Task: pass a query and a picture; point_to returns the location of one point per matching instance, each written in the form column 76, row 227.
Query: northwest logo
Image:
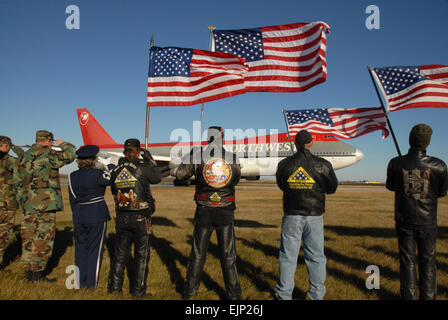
column 84, row 118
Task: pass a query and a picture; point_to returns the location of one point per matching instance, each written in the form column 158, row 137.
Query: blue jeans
column 311, row 230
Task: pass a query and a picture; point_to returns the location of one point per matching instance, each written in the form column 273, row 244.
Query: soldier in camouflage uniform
column 8, row 191
column 41, row 199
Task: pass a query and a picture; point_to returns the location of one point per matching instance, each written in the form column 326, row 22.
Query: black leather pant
column 131, row 229
column 409, row 242
column 226, row 244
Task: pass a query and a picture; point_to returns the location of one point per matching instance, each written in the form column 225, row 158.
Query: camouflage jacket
column 39, row 173
column 9, row 180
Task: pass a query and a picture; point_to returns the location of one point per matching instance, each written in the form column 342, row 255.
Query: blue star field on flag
column 170, row 62
column 124, row 175
column 320, row 115
column 245, row 43
column 394, row 79
column 300, row 176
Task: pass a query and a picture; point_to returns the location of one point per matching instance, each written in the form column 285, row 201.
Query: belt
column 205, row 197
column 93, row 200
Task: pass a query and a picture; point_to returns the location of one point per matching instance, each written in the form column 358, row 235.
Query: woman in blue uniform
column 87, row 186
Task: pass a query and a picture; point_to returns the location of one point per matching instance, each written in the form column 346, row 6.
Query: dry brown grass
column 359, row 231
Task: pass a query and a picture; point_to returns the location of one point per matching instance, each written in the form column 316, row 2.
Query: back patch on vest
column 125, row 180
column 217, row 173
column 300, row 179
column 416, row 183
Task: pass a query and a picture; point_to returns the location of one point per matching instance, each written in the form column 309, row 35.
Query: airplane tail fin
column 91, row 130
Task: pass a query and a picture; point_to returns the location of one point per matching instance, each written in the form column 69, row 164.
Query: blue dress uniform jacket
column 87, row 188
column 90, row 216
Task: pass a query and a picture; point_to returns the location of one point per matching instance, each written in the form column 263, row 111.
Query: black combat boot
column 29, row 275
column 187, row 293
column 40, row 276
column 140, row 295
column 3, row 268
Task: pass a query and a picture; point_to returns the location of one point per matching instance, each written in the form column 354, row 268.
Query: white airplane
column 259, row 155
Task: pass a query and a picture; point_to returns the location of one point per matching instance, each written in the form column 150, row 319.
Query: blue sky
column 48, row 71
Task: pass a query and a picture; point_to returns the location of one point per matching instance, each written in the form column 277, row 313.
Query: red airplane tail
column 91, row 130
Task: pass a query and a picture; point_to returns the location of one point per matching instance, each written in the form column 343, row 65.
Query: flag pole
column 200, row 130
column 147, row 105
column 375, row 83
column 287, row 129
column 211, row 47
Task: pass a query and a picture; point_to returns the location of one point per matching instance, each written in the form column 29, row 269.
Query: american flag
column 414, row 87
column 300, row 176
column 185, row 77
column 125, row 175
column 282, row 58
column 337, row 122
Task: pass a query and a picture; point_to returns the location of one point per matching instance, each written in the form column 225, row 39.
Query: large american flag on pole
column 185, row 77
column 413, row 86
column 338, row 122
column 281, row 58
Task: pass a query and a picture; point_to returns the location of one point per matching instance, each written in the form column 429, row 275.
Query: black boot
column 187, row 293
column 3, row 268
column 114, row 290
column 40, row 276
column 29, row 275
column 141, row 295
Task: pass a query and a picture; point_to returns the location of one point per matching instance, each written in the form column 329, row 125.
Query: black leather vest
column 131, row 186
column 216, row 178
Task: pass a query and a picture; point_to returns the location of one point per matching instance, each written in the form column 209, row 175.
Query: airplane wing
column 162, row 160
column 113, row 157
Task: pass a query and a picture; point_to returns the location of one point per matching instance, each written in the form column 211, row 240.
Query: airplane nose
column 359, row 155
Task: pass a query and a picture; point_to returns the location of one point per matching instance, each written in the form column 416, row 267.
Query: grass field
column 359, row 231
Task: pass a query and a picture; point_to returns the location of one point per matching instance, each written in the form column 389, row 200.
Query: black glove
column 164, row 171
column 147, row 157
column 121, row 160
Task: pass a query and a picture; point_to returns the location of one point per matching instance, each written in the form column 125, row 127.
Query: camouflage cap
column 5, row 140
column 44, row 134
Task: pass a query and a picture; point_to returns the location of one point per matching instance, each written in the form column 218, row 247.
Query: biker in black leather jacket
column 134, row 204
column 418, row 180
column 217, row 172
column 304, row 180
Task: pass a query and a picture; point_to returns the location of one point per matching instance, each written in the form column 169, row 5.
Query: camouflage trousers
column 38, row 232
column 6, row 226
